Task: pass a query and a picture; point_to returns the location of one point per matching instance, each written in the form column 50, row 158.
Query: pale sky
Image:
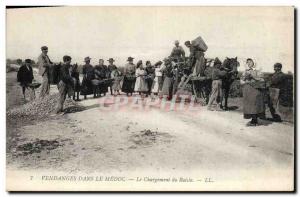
column 265, row 34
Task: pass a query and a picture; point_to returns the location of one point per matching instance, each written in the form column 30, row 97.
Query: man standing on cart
column 197, row 61
column 177, row 52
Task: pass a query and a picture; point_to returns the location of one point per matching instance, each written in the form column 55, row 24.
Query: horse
column 230, row 65
column 202, row 86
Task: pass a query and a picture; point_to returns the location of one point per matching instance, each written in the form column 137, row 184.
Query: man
column 44, row 63
column 111, row 67
column 88, row 75
column 150, row 76
column 177, row 52
column 278, row 78
column 25, row 75
column 276, row 90
column 216, row 92
column 66, row 83
column 196, row 59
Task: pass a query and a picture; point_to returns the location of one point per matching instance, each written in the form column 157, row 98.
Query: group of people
column 148, row 79
column 256, row 93
column 144, row 80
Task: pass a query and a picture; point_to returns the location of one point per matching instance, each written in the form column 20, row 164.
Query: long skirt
column 149, row 82
column 103, row 87
column 167, row 87
column 86, row 87
column 141, row 85
column 253, row 102
column 156, row 84
column 116, row 86
column 160, row 83
column 128, row 85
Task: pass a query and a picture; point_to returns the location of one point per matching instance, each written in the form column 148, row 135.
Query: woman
column 129, row 77
column 156, row 87
column 167, row 88
column 253, row 97
column 140, row 85
column 116, row 75
column 101, row 74
column 88, row 75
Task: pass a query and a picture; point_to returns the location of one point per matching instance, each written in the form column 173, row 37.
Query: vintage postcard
column 150, row 98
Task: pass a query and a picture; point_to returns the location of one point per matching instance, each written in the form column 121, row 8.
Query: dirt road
column 190, row 143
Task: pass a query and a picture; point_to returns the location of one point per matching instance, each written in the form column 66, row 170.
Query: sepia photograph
column 150, row 98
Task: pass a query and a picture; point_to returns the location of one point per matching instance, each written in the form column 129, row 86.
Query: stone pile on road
column 39, row 108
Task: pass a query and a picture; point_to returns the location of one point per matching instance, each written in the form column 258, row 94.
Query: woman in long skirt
column 88, row 75
column 253, row 95
column 140, row 85
column 167, row 88
column 156, row 87
column 129, row 77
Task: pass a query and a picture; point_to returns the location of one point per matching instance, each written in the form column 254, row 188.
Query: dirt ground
column 99, row 140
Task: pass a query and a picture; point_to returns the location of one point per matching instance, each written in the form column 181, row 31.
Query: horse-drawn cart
column 200, row 86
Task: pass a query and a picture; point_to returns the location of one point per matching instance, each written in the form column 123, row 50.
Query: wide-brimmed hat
column 187, row 42
column 130, row 58
column 176, row 42
column 28, row 61
column 44, row 48
column 87, row 58
column 111, row 60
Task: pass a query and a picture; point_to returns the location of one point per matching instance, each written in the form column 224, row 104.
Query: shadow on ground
column 75, row 109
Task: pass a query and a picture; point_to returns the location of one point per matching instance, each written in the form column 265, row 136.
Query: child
column 116, row 75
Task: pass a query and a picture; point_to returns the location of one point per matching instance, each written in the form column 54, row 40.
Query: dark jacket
column 101, row 72
column 65, row 74
column 88, row 72
column 25, row 75
column 168, row 72
column 278, row 80
column 150, row 72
